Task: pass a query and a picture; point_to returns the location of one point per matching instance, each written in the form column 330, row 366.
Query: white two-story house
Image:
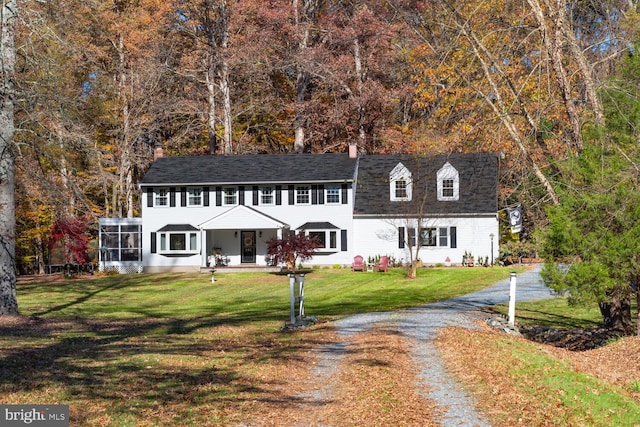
column 202, row 210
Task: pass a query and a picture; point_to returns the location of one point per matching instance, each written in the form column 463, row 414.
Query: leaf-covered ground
column 228, row 376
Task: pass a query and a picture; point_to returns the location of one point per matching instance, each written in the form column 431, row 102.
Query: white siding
column 376, row 236
column 295, row 216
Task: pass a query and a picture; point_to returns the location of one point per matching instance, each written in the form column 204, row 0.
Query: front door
column 248, row 242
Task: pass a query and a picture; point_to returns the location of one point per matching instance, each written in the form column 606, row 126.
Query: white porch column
column 203, row 247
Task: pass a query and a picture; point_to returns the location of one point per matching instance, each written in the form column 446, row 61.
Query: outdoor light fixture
column 491, row 236
column 235, row 233
column 260, row 234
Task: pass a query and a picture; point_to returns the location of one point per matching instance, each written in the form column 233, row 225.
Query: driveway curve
column 420, row 325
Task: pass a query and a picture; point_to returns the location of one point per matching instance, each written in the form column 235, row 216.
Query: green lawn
column 176, row 349
column 247, row 297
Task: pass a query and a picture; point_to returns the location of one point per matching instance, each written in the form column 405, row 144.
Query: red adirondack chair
column 383, row 264
column 358, row 263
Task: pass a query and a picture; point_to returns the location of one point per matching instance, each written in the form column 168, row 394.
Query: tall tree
column 8, row 300
column 593, row 241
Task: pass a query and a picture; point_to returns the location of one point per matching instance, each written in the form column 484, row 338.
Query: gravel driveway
column 420, row 325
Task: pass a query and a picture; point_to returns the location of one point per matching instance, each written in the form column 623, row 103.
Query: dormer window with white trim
column 448, row 183
column 400, row 184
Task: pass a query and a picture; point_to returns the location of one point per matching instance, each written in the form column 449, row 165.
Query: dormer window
column 400, row 183
column 401, row 189
column 448, row 183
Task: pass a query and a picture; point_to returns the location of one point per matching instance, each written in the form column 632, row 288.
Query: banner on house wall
column 515, row 218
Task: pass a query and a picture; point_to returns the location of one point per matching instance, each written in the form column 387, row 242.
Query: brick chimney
column 353, row 150
column 158, row 152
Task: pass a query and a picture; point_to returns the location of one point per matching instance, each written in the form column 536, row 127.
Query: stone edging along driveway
column 419, row 325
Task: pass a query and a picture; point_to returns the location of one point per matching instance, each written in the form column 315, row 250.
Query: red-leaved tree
column 70, row 232
column 292, row 249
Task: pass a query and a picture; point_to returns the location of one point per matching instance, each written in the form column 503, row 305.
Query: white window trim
column 327, row 239
column 339, row 193
column 438, row 236
column 235, row 196
column 156, row 198
column 191, row 191
column 187, row 236
column 308, row 191
column 273, row 196
column 400, row 173
column 448, row 172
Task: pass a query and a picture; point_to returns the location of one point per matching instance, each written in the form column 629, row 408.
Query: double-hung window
column 333, row 194
column 400, row 184
column 303, row 195
column 443, row 237
column 194, row 197
column 161, row 197
column 230, row 196
column 267, row 196
column 448, row 183
column 400, row 189
column 447, row 188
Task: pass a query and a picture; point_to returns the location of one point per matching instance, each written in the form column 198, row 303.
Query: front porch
column 237, row 240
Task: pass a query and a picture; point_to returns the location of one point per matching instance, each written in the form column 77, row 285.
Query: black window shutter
column 172, row 197
column 150, row 197
column 321, row 194
column 205, row 197
column 278, row 195
column 153, row 243
column 314, row 194
column 183, row 196
column 255, row 195
column 345, row 194
column 241, row 195
column 218, row 196
column 401, row 237
column 291, row 195
column 453, row 237
column 343, row 240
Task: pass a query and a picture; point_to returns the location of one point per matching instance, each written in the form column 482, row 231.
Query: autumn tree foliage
column 292, row 249
column 70, row 234
column 100, row 83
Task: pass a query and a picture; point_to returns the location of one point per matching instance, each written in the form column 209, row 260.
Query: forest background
column 101, row 83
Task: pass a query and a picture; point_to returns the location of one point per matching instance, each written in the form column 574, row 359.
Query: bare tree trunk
column 211, row 114
column 302, row 82
column 586, row 70
column 360, row 75
column 8, row 300
column 554, row 50
column 226, row 108
column 499, row 107
column 125, row 166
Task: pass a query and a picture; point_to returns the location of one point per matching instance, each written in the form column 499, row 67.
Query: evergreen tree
column 593, row 240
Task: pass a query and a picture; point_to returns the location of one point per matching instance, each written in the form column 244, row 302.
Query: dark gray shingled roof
column 478, row 184
column 250, row 168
